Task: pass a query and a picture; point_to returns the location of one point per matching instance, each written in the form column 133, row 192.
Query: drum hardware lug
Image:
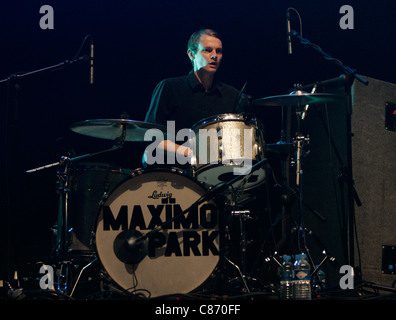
column 193, row 163
column 176, row 170
column 220, row 151
column 136, row 172
column 191, row 171
column 104, row 198
column 219, row 131
column 257, row 149
column 260, row 153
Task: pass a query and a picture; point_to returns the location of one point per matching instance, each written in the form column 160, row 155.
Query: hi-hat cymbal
column 112, row 129
column 297, row 98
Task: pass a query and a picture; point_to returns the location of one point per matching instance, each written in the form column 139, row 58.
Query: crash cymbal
column 112, row 129
column 297, row 98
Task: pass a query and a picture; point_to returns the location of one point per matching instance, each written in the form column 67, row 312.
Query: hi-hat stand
column 300, row 140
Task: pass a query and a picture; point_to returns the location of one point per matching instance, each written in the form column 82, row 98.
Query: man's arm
column 157, row 113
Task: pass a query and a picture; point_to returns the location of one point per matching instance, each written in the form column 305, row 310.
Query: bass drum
column 176, row 259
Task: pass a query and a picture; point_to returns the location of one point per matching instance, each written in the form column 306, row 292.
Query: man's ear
column 190, row 54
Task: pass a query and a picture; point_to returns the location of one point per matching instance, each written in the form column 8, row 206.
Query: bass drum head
column 177, row 259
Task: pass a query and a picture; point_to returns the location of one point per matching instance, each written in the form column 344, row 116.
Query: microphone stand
column 54, row 67
column 351, row 75
column 65, row 161
column 11, row 125
column 347, row 70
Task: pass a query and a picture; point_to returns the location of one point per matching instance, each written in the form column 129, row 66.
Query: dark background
column 137, row 44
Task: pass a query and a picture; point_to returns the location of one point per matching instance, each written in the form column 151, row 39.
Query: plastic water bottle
column 286, row 279
column 302, row 278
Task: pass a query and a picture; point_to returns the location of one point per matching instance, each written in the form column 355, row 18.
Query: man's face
column 208, row 55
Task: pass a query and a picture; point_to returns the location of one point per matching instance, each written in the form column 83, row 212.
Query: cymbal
column 297, row 98
column 112, row 129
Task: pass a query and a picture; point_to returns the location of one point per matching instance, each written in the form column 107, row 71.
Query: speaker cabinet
column 374, row 171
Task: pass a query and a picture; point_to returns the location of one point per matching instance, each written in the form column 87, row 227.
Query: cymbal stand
column 63, row 182
column 300, row 139
column 62, row 238
column 63, row 186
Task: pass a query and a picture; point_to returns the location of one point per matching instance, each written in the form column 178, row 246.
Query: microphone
column 91, row 63
column 130, row 246
column 289, row 44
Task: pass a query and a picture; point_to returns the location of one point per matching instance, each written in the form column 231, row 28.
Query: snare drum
column 225, row 145
column 179, row 257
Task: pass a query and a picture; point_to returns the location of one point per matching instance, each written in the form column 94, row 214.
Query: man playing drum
column 190, row 98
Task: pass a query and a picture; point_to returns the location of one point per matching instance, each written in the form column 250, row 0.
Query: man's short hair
column 194, row 39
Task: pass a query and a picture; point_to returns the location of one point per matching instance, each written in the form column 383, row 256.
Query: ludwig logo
column 160, row 194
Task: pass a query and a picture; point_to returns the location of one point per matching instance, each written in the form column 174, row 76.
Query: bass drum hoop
column 158, row 292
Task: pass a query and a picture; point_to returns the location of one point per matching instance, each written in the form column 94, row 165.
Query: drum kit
column 161, row 231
